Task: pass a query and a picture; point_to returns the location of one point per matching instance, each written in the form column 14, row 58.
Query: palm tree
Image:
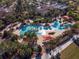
column 31, row 35
column 31, row 38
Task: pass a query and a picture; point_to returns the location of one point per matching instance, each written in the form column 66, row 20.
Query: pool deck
column 40, row 38
column 57, row 33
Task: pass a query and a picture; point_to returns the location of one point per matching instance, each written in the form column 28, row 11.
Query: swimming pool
column 56, row 25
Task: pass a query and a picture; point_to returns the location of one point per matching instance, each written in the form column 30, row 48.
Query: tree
column 14, row 48
column 1, row 24
column 75, row 31
column 19, row 8
column 31, row 38
column 10, row 18
column 7, row 34
column 31, row 35
column 76, row 28
column 76, row 17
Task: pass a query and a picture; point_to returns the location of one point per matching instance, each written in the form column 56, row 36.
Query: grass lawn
column 72, row 52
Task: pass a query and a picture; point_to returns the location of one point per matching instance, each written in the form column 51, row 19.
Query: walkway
column 57, row 50
column 9, row 26
column 60, row 48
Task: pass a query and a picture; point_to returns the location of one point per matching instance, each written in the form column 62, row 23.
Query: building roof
column 44, row 8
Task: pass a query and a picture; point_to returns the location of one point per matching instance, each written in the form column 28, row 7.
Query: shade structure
column 47, row 37
column 66, row 17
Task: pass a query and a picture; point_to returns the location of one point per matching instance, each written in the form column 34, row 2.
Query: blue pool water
column 55, row 25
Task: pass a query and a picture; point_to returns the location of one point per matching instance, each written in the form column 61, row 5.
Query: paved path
column 60, row 48
column 8, row 27
column 57, row 50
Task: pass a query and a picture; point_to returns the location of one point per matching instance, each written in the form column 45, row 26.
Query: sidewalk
column 59, row 49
